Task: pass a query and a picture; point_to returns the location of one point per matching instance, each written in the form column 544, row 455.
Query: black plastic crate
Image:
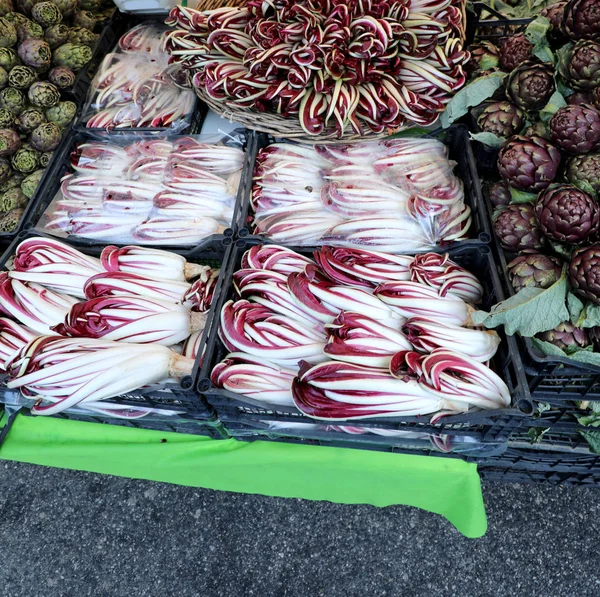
column 120, row 24
column 493, row 26
column 490, row 424
column 62, row 165
column 175, row 395
column 501, row 475
column 460, row 150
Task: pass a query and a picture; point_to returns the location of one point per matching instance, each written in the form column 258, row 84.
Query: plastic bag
column 171, row 191
column 395, row 195
column 136, row 87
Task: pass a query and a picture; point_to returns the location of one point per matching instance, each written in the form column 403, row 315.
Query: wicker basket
column 285, row 128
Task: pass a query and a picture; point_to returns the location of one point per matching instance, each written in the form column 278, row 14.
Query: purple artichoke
column 576, row 129
column 582, row 19
column 531, row 269
column 566, row 336
column 35, row 53
column 528, row 164
column 499, row 194
column 596, row 97
column 554, row 14
column 583, row 67
column 567, row 214
column 530, row 86
column 10, row 141
column 515, row 50
column 502, row 119
column 580, row 97
column 484, row 56
column 517, row 228
column 584, row 172
column 584, row 272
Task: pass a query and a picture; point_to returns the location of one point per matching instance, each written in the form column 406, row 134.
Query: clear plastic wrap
column 463, row 445
column 135, row 87
column 173, row 191
column 394, row 195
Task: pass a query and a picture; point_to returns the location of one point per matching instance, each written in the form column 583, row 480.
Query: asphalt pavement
column 75, row 534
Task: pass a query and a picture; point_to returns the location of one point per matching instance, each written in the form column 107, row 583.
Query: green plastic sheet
column 447, row 486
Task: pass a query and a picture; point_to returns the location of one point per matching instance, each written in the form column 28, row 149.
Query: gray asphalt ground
column 65, row 533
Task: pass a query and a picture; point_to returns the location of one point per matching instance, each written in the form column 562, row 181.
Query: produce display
column 366, row 66
column 394, row 195
column 42, row 47
column 169, row 191
column 78, row 330
column 342, row 343
column 135, row 86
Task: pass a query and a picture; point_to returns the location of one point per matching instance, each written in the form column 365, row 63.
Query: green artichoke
column 30, row 119
column 9, row 141
column 85, row 19
column 517, row 228
column 6, row 7
column 72, row 56
column 35, row 53
column 45, row 137
column 13, row 199
column 56, row 35
column 22, row 77
column 499, row 194
column 531, row 269
column 12, row 182
column 576, row 129
column 45, row 158
column 584, row 172
column 91, row 5
column 43, row 94
column 84, row 37
column 584, row 272
column 10, row 221
column 62, row 77
column 566, row 336
column 29, row 30
column 528, row 164
column 62, row 114
column 5, row 170
column 502, row 119
column 66, row 7
column 567, row 214
column 515, row 50
column 12, row 99
column 16, row 18
column 530, row 86
column 46, row 14
column 583, row 67
column 8, row 58
column 582, row 19
column 484, row 57
column 7, row 119
column 31, row 183
column 25, row 160
column 8, row 33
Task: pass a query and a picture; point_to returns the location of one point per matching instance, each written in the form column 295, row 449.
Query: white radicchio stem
column 33, row 305
column 152, row 263
column 355, row 338
column 71, row 371
column 275, row 258
column 53, row 264
column 13, row 336
column 131, row 319
column 256, row 378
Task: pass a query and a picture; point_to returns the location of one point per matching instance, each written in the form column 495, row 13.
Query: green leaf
column 542, row 407
column 587, row 357
column 591, row 316
column 488, row 139
column 591, row 420
column 473, row 94
column 488, row 62
column 536, row 434
column 554, row 104
column 549, row 349
column 565, row 251
column 521, row 196
column 584, row 185
column 593, row 440
column 419, row 131
column 530, row 311
column 537, row 30
column 563, row 55
column 575, row 307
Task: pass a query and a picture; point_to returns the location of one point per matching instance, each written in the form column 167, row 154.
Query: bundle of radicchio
column 356, row 66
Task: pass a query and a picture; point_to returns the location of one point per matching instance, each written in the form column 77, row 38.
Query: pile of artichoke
column 42, row 46
column 545, row 123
